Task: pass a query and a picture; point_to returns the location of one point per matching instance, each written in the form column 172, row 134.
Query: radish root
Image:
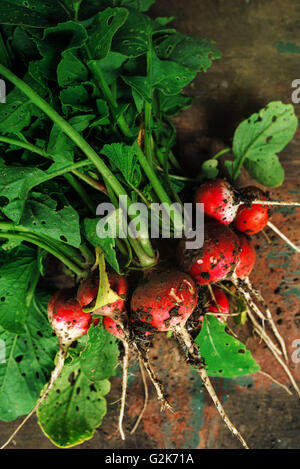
column 142, row 368
column 195, row 358
column 282, row 236
column 124, row 388
column 54, row 375
column 256, row 293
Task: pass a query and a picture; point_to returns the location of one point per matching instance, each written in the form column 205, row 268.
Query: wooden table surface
column 260, row 43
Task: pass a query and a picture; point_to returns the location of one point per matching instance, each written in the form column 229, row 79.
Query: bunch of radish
column 167, row 300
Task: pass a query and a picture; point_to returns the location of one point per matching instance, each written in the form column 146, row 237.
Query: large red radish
column 219, row 199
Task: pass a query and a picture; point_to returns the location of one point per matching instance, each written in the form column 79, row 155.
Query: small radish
column 251, row 219
column 165, row 300
column 67, row 319
column 221, row 305
column 217, row 257
column 69, row 323
column 219, row 200
column 88, row 290
column 113, row 327
column 247, row 258
column 119, row 285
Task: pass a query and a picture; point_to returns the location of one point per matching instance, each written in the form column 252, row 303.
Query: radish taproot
column 219, row 199
column 217, row 257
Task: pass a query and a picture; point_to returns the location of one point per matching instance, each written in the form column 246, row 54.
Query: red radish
column 67, row 319
column 119, row 284
column 247, row 258
column 165, row 300
column 217, row 257
column 220, row 306
column 87, row 292
column 252, row 219
column 114, row 328
column 219, row 200
column 69, row 323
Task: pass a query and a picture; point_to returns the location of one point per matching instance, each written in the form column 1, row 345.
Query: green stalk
column 220, row 153
column 64, row 249
column 33, row 284
column 103, row 86
column 157, row 186
column 148, row 112
column 33, row 240
column 26, row 146
column 81, row 192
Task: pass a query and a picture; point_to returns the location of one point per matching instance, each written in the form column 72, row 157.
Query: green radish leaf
column 23, row 45
column 74, row 407
column 123, row 159
column 41, row 216
column 15, row 184
column 16, row 113
column 31, row 13
column 99, row 359
column 53, row 47
column 196, row 54
column 90, row 8
column 5, row 58
column 224, row 356
column 172, row 105
column 16, row 270
column 140, row 85
column 267, row 170
column 108, row 244
column 210, row 169
column 28, row 360
column 134, row 37
column 170, row 77
column 76, row 98
column 110, row 66
column 258, row 138
column 71, row 70
column 103, row 29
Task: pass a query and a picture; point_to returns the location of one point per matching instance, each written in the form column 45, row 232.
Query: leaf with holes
column 259, row 138
column 103, row 29
column 32, row 12
column 224, row 356
column 134, row 37
column 74, row 407
column 16, row 270
column 99, row 359
column 196, row 54
column 41, row 216
column 28, row 361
